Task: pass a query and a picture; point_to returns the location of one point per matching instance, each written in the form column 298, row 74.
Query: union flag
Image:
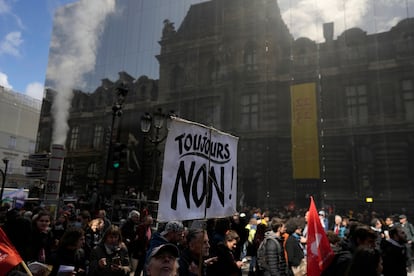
column 318, row 249
column 9, row 257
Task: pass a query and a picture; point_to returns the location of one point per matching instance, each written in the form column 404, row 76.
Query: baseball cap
column 166, row 247
column 322, row 213
column 173, row 226
column 402, row 217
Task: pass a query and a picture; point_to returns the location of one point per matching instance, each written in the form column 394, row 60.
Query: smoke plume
column 74, row 42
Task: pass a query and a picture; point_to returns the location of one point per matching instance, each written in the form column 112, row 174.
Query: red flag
column 318, row 249
column 9, row 257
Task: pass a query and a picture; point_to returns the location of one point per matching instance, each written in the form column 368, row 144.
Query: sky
column 25, row 31
column 26, row 26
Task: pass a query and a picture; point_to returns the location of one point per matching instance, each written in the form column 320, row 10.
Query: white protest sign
column 199, row 177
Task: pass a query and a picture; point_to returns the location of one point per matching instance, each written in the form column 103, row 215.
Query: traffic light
column 118, row 153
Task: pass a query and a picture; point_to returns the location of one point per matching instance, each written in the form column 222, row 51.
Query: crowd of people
column 263, row 243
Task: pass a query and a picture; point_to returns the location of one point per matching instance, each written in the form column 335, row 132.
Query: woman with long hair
column 70, row 252
column 42, row 241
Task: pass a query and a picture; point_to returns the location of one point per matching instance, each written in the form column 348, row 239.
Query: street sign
column 37, row 161
column 37, row 174
column 39, row 164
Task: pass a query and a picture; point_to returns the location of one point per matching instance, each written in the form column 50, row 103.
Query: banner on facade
column 305, row 143
column 199, row 177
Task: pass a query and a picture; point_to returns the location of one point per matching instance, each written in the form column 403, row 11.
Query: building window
column 98, row 137
column 250, row 111
column 69, row 178
column 74, row 138
column 12, row 142
column 93, row 171
column 407, row 87
column 250, row 57
column 357, row 104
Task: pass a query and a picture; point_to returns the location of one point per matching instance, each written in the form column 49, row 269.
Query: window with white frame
column 98, row 137
column 74, row 138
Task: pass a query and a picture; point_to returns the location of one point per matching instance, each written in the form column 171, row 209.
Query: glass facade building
column 320, row 96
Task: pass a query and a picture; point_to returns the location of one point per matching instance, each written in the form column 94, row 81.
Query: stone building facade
column 232, row 66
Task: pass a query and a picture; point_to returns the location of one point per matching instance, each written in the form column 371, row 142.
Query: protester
column 110, row 257
column 274, row 261
column 130, row 236
column 339, row 229
column 226, row 264
column 394, row 252
column 93, row 234
column 294, row 251
column 71, row 253
column 144, row 234
column 194, row 259
column 42, row 241
column 162, row 260
column 409, row 232
column 18, row 229
column 365, row 262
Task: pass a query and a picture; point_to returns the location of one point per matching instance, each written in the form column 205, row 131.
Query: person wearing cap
column 324, row 220
column 172, row 233
column 409, row 232
column 162, row 260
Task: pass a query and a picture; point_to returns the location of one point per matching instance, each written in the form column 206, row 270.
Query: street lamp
column 3, row 174
column 152, row 126
column 121, row 88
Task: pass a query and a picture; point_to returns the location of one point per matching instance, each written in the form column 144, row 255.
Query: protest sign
column 199, row 177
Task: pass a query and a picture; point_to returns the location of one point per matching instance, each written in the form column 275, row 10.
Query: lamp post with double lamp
column 155, row 128
column 3, row 174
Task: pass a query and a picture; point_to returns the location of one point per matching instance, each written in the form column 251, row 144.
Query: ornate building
column 233, row 66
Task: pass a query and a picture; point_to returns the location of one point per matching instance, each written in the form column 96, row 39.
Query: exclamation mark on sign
column 231, row 183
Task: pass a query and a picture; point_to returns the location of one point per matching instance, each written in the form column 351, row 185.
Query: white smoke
column 73, row 54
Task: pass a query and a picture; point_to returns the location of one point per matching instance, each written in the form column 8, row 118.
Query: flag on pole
column 9, row 257
column 319, row 251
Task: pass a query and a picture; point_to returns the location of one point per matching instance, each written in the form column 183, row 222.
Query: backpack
column 261, row 259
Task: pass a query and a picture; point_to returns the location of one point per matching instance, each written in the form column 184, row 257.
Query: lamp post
column 121, row 89
column 155, row 128
column 3, row 174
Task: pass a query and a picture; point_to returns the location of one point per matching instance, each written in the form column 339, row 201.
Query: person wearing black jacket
column 194, row 259
column 226, row 263
column 394, row 253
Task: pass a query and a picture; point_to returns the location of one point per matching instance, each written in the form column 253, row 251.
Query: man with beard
column 394, row 253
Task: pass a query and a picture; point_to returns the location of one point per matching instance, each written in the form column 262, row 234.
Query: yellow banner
column 305, row 143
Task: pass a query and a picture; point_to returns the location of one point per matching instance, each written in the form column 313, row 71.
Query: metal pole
column 3, row 173
column 108, row 156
